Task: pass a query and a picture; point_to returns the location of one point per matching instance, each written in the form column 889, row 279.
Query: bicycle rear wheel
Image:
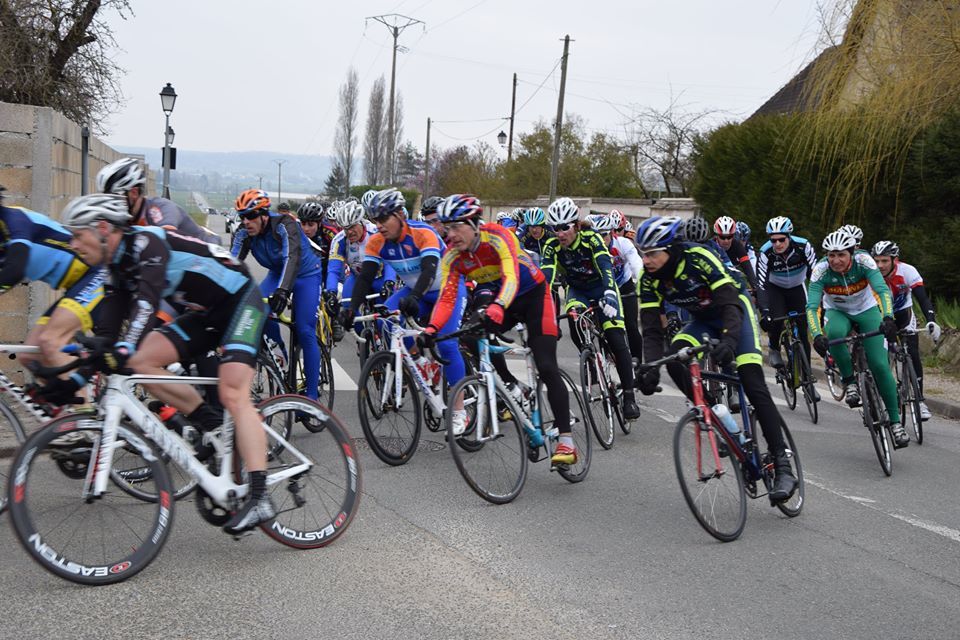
column 788, row 378
column 710, row 478
column 497, row 470
column 873, row 420
column 578, row 427
column 596, row 400
column 391, row 425
column 794, row 505
column 909, row 393
column 10, row 423
column 93, row 542
column 806, row 383
column 315, row 507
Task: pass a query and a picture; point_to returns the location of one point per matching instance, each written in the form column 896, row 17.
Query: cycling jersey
column 698, row 273
column 850, row 292
column 903, row 279
column 627, row 265
column 736, row 256
column 344, row 253
column 49, row 257
column 497, row 256
column 417, row 241
column 786, row 270
column 281, row 247
column 586, row 263
column 160, row 212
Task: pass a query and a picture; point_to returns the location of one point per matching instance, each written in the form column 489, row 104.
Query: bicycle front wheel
column 88, row 541
column 578, row 427
column 710, row 478
column 806, row 382
column 910, row 399
column 788, row 378
column 497, row 470
column 794, row 505
column 390, row 424
column 832, row 374
column 872, row 413
column 596, row 400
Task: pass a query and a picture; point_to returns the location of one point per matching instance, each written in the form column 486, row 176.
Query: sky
column 257, row 76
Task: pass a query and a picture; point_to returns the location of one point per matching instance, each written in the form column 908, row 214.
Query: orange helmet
column 252, row 200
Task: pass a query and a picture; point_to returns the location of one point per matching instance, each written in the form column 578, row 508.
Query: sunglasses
column 253, row 215
column 650, row 252
column 561, row 227
column 725, row 237
column 778, row 240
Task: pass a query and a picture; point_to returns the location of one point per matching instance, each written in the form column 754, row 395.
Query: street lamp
column 168, row 97
column 502, row 138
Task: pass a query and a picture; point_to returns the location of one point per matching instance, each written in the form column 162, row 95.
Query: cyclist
column 284, row 208
column 582, row 257
column 313, row 217
column 366, row 198
column 125, row 177
column 693, row 278
column 906, row 284
column 627, row 269
column 413, row 249
column 507, row 221
column 34, row 248
column 856, row 232
column 535, row 233
column 224, row 310
column 732, row 250
column 347, row 251
column 619, row 221
column 843, row 281
column 628, row 232
column 428, row 213
column 278, row 243
column 743, row 235
column 783, row 267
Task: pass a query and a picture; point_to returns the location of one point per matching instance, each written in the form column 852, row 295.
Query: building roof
column 795, row 96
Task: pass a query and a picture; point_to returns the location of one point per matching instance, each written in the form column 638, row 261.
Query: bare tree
column 345, row 141
column 375, row 140
column 55, row 53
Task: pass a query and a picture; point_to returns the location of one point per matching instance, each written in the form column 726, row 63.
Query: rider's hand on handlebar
column 889, row 327
column 821, row 345
column 649, row 381
column 346, row 318
column 409, row 306
column 766, row 320
column 427, row 339
column 934, row 330
column 279, row 300
column 61, row 391
column 724, row 352
column 493, row 317
column 610, row 303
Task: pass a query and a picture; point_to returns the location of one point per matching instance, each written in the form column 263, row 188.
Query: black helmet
column 310, row 212
column 430, row 205
column 284, row 207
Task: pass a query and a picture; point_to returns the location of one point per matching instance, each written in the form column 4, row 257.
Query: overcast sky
column 256, row 75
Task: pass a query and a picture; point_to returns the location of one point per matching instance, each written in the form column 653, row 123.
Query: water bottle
column 723, row 414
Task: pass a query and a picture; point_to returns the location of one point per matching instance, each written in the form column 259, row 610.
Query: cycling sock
column 567, row 440
column 258, row 484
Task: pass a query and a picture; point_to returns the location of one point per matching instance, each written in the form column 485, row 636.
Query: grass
column 948, row 312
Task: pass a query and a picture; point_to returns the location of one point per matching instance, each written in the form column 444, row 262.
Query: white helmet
column 855, row 231
column 617, row 219
column 120, row 176
column 503, row 215
column 562, row 211
column 87, row 210
column 725, row 226
column 367, row 198
column 780, row 224
column 839, row 240
column 349, row 214
column 604, row 224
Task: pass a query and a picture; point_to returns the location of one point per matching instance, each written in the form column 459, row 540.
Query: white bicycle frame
column 11, row 388
column 120, row 400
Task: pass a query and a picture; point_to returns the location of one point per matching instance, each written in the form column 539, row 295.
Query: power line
column 468, row 10
column 547, row 77
column 482, row 135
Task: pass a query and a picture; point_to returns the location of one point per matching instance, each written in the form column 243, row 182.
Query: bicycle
column 718, row 470
column 60, row 480
column 292, row 364
column 832, row 374
column 599, row 383
column 872, row 410
column 370, row 339
column 908, row 387
column 795, row 372
column 502, row 436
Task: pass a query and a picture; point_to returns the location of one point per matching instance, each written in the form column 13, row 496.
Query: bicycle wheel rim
column 579, row 429
column 593, row 395
column 391, row 431
column 912, row 403
column 316, row 507
column 13, row 424
column 787, row 378
column 833, row 383
column 48, row 511
column 872, row 420
column 325, row 385
column 715, row 494
column 496, row 471
column 809, row 390
column 793, row 505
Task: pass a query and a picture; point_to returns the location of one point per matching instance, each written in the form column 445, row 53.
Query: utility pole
column 280, row 164
column 426, row 164
column 392, row 21
column 556, row 136
column 513, row 108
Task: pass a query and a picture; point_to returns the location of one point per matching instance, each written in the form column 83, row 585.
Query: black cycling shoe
column 630, row 409
column 250, row 514
column 853, row 395
column 784, row 484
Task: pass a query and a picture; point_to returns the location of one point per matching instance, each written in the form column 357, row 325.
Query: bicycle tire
column 794, row 504
column 296, row 381
column 579, row 428
column 16, row 427
column 693, row 447
column 617, row 399
column 317, row 507
column 807, row 387
column 365, row 346
column 326, row 387
column 909, row 395
column 39, row 464
column 833, row 383
column 594, row 393
column 268, row 381
column 788, row 381
column 392, row 442
column 504, row 454
column 873, row 421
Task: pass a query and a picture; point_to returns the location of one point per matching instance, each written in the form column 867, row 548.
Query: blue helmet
column 460, row 207
column 386, row 202
column 659, row 232
column 743, row 230
column 780, row 224
column 534, row 217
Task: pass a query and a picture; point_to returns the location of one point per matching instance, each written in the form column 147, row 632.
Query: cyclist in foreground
column 224, row 310
column 845, row 281
column 693, row 278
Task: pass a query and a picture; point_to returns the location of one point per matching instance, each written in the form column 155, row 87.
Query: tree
column 336, row 185
column 375, row 139
column 410, row 166
column 55, row 53
column 345, row 140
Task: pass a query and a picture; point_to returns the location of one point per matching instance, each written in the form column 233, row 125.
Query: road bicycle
column 908, row 387
column 718, row 470
column 70, row 520
column 872, row 410
column 291, row 362
column 833, row 377
column 370, row 338
column 795, row 372
column 502, row 435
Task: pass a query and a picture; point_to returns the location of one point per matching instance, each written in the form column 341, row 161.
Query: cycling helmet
column 780, row 224
column 518, row 213
column 604, row 224
column 120, row 176
column 284, row 207
column 725, row 226
column 696, row 229
column 534, row 217
column 349, row 214
column 310, row 212
column 367, row 198
column 885, row 248
column 430, row 205
column 461, row 207
column 618, row 220
column 386, row 202
column 659, row 232
column 353, row 199
column 628, row 227
column 855, row 231
column 562, row 211
column 253, row 200
column 839, row 240
column 87, row 210
column 503, row 215
column 743, row 230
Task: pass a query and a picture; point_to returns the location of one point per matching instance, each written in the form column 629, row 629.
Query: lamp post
column 168, row 97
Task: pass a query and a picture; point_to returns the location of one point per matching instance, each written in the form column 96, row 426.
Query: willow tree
column 894, row 73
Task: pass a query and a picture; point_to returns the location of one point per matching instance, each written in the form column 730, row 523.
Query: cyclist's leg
column 614, row 330
column 876, row 354
column 75, row 311
column 539, row 315
column 750, row 369
column 631, row 317
column 306, row 291
column 688, row 336
column 576, row 299
column 272, row 328
column 906, row 320
column 449, row 350
column 777, row 300
column 347, row 294
column 482, row 296
column 837, row 325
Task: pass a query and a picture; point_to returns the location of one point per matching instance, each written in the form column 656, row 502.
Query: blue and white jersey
column 417, row 241
column 50, row 258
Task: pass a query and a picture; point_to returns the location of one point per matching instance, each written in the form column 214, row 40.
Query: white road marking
column 341, row 379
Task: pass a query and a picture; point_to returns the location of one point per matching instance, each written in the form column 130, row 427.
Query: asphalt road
column 617, row 556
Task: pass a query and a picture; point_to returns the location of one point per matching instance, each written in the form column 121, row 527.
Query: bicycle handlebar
column 854, row 337
column 789, row 316
column 86, row 353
